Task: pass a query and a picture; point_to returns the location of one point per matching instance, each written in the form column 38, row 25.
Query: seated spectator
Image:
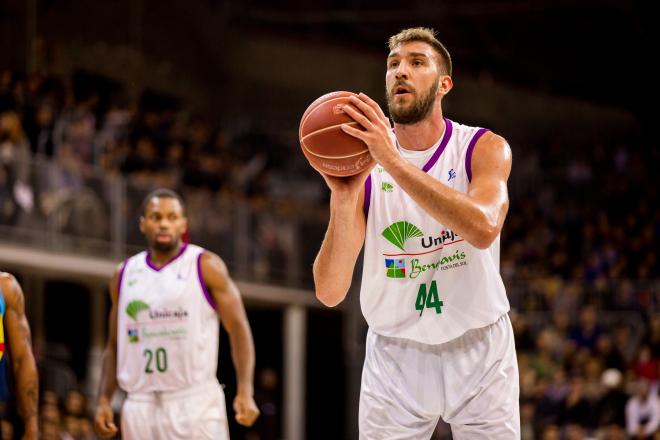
column 610, row 409
column 643, row 412
column 575, row 409
column 586, row 332
column 646, row 366
column 610, row 354
column 7, row 430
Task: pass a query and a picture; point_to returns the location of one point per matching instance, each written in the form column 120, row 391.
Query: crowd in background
column 64, row 140
column 579, row 254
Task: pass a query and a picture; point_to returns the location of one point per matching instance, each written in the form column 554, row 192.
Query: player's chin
column 164, row 246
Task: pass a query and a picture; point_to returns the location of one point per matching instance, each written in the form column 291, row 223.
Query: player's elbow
column 485, row 237
column 329, row 297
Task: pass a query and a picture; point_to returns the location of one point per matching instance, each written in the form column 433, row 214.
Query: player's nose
column 401, row 71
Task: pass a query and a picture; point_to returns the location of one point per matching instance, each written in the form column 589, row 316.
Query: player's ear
column 446, row 84
column 142, row 220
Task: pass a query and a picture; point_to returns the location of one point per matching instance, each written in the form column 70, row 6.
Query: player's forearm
column 242, row 354
column 476, row 223
column 335, row 262
column 108, row 383
column 28, row 392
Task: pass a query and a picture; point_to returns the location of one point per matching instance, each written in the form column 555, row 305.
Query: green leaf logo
column 387, row 187
column 134, row 307
column 397, row 233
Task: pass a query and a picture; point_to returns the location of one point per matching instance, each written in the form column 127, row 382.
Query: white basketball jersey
column 167, row 328
column 421, row 280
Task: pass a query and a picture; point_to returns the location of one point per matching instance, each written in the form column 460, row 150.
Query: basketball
column 325, row 145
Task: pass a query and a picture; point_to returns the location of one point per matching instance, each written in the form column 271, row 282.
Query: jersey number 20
column 160, row 356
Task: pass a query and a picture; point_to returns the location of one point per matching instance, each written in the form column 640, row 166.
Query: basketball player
column 440, row 343
column 14, row 325
column 162, row 346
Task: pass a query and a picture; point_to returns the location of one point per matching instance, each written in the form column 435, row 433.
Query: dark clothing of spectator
column 611, row 409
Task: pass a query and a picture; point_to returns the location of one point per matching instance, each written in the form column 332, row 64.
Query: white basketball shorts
column 196, row 413
column 471, row 382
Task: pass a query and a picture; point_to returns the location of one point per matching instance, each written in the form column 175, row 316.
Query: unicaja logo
column 135, row 307
column 397, row 233
column 132, row 310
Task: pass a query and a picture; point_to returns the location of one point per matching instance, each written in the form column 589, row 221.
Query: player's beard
column 420, row 108
column 165, row 247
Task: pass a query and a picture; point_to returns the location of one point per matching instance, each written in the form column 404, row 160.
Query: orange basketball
column 324, row 143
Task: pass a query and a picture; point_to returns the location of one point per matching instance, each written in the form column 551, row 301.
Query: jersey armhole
column 121, row 277
column 470, row 149
column 367, row 196
column 207, row 294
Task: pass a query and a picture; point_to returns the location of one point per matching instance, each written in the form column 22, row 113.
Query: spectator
column 645, row 365
column 610, row 409
column 40, row 130
column 575, row 409
column 586, row 332
column 643, row 412
column 16, row 195
column 611, row 356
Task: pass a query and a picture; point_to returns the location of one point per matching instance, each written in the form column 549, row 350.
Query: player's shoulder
column 209, row 260
column 491, row 138
column 492, row 146
column 11, row 291
column 491, row 153
column 7, row 281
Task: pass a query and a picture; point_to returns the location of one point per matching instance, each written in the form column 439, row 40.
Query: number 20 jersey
column 167, row 328
column 421, row 280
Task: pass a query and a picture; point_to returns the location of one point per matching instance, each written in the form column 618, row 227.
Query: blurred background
column 101, row 102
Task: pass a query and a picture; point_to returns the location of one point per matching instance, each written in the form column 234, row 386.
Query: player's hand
column 246, row 409
column 104, row 420
column 349, row 186
column 377, row 130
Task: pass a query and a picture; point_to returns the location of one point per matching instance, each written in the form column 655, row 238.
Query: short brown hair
column 426, row 35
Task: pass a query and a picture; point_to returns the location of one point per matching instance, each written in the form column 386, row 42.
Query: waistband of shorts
column 156, row 396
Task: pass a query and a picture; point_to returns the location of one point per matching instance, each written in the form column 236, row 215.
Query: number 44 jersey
column 421, row 280
column 167, row 326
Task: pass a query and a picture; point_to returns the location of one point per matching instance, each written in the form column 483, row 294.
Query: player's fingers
column 253, row 415
column 362, row 135
column 107, row 430
column 358, row 116
column 241, row 417
column 373, row 104
column 105, row 425
column 248, row 417
column 365, row 108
